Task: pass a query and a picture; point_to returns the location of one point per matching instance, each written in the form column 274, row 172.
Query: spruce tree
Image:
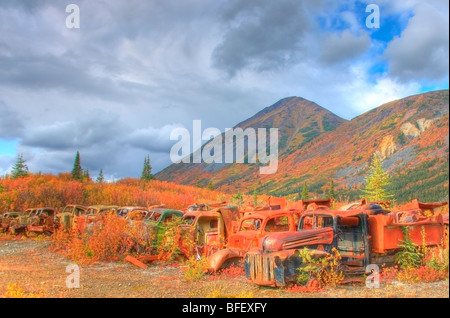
column 305, row 192
column 20, row 168
column 210, row 185
column 147, row 170
column 197, row 182
column 77, row 171
column 299, row 193
column 377, row 182
column 238, row 198
column 87, row 176
column 100, row 178
column 255, row 197
column 331, row 192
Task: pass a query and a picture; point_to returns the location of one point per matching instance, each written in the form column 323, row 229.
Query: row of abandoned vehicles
column 265, row 240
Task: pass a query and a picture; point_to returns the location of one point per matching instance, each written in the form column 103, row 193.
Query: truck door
column 350, row 241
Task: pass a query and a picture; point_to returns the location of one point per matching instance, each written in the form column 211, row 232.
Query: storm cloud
column 11, row 126
column 91, row 130
column 115, row 88
column 152, row 139
column 342, row 47
column 262, row 35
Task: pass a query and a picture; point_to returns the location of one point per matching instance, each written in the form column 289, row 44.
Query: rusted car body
column 362, row 237
column 252, row 229
column 369, row 207
column 137, row 215
column 43, row 221
column 8, row 218
column 65, row 219
column 207, row 230
column 124, row 210
column 93, row 214
column 20, row 224
column 277, row 203
column 156, row 222
column 205, row 206
column 29, row 212
column 312, row 204
column 27, row 215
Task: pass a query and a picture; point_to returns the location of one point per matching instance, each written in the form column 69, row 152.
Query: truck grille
column 261, row 268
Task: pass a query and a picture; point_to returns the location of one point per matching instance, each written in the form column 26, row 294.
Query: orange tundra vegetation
column 57, row 191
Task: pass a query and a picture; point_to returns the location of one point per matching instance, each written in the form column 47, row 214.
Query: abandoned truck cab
column 207, row 231
column 67, row 218
column 93, row 214
column 276, row 261
column 43, row 221
column 360, row 236
column 8, row 218
column 252, row 229
column 157, row 221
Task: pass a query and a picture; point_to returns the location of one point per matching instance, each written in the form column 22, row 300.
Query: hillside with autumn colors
column 411, row 135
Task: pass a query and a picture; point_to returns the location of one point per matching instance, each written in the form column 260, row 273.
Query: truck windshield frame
column 317, row 221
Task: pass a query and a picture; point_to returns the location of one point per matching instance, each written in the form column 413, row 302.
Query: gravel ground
column 30, row 264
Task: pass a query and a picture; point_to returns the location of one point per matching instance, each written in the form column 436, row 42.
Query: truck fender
column 218, row 259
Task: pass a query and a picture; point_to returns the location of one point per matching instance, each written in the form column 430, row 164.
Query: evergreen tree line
column 20, row 169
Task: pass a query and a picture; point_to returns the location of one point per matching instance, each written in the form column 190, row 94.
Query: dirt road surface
column 38, row 271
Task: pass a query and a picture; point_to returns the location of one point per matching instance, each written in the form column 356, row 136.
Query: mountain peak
column 290, row 111
column 315, row 146
column 293, row 104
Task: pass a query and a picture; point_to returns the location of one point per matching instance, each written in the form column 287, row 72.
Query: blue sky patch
column 8, row 147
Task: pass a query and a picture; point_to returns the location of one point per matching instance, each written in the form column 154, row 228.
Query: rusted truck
column 38, row 220
column 124, row 210
column 19, row 225
column 43, row 222
column 8, row 218
column 206, row 232
column 361, row 236
column 93, row 214
column 255, row 225
column 252, row 228
column 311, row 204
column 65, row 219
column 205, row 206
column 137, row 215
column 156, row 223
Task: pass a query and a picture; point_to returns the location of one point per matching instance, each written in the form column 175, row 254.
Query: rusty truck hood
column 243, row 239
column 229, row 213
column 302, row 238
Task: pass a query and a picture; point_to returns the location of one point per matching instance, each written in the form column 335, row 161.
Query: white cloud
column 385, row 90
column 421, row 52
column 6, row 163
